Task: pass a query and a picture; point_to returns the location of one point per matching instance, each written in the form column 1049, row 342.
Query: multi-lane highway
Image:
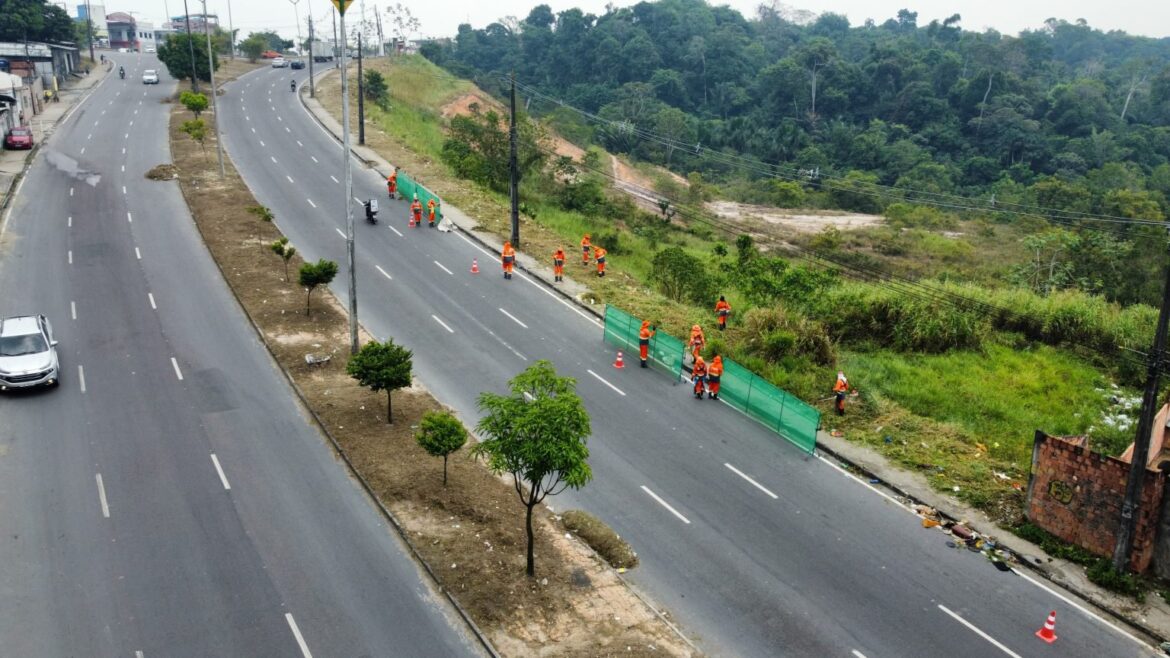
column 171, row 498
column 756, row 549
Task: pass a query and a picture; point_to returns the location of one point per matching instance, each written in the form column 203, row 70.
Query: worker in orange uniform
column 392, row 183
column 840, row 388
column 699, row 376
column 508, row 257
column 714, row 372
column 644, row 337
column 559, row 265
column 697, row 341
column 722, row 309
column 585, row 245
column 431, row 211
column 415, row 212
column 599, row 256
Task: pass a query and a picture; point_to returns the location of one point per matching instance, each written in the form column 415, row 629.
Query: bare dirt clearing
column 795, row 221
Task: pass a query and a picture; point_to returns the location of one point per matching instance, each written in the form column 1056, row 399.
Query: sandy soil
column 471, row 532
column 798, row 222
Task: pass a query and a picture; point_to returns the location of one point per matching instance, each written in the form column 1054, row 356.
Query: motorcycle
column 292, row 86
column 371, row 207
column 122, row 73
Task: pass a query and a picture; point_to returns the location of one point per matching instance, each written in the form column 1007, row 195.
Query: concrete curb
column 946, row 509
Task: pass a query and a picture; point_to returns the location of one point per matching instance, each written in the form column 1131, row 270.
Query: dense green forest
column 1062, row 122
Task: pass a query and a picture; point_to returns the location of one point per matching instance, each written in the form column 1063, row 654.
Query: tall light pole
column 191, row 45
column 214, row 102
column 353, row 317
column 89, row 20
column 231, row 33
column 297, row 14
column 312, row 84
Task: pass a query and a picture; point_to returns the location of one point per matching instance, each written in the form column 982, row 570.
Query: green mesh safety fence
column 774, row 408
column 408, row 187
column 622, row 329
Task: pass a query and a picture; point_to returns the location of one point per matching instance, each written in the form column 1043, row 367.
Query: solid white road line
column 137, row 253
column 81, row 377
column 666, row 505
column 311, row 203
column 978, row 632
column 444, row 324
column 297, row 634
column 102, row 496
column 1088, row 613
column 600, row 379
column 73, row 309
column 70, row 256
column 289, row 179
column 340, row 232
column 334, row 179
column 218, row 469
column 396, row 231
column 869, row 486
column 753, row 482
column 129, row 217
column 443, row 268
column 178, row 373
column 150, row 295
column 379, row 268
column 514, row 318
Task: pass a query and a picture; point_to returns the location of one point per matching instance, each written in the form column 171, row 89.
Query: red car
column 18, row 138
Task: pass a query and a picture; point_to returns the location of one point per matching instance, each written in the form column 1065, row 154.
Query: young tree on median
column 193, row 101
column 537, row 434
column 316, row 274
column 285, row 250
column 440, row 434
column 253, row 47
column 196, row 130
column 380, row 367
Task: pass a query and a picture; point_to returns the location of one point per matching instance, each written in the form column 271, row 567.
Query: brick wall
column 1076, row 494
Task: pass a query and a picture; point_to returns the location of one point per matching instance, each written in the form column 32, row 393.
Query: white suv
column 150, row 77
column 28, row 353
column 279, row 63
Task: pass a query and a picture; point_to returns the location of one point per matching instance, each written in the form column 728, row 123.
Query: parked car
column 28, row 353
column 150, row 77
column 269, row 54
column 150, row 50
column 298, row 64
column 321, row 59
column 19, row 138
column 279, row 63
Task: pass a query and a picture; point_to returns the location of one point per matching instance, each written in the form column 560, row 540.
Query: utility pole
column 89, row 21
column 353, row 310
column 336, row 63
column 1141, row 445
column 514, row 168
column 231, row 33
column 297, row 17
column 361, row 97
column 191, row 45
column 214, row 102
column 312, row 86
column 381, row 41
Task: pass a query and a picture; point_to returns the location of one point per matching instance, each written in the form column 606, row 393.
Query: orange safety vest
column 644, row 336
column 700, row 368
column 559, row 257
column 840, row 387
column 585, row 243
column 431, row 209
column 722, row 308
column 508, row 254
column 416, row 208
column 599, row 254
column 715, row 370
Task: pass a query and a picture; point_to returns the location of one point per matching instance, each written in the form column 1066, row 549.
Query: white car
column 279, row 63
column 150, row 50
column 150, row 77
column 28, row 353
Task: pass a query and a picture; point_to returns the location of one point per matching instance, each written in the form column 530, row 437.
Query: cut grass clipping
column 601, row 538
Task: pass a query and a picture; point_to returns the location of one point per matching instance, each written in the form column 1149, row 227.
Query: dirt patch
column 794, row 221
column 462, row 106
column 163, row 172
column 470, row 532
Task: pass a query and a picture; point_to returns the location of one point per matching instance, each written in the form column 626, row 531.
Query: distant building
column 179, row 23
column 147, row 39
column 123, row 30
column 100, row 32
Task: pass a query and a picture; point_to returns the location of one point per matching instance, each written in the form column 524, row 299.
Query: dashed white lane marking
column 297, row 634
column 311, row 203
column 129, row 217
column 273, row 158
column 69, row 222
column 71, row 191
column 247, row 118
column 89, row 135
column 858, row 654
column 396, row 231
column 289, row 179
column 150, row 296
column 178, row 373
column 978, row 632
column 300, row 144
column 261, row 142
column 123, row 150
column 132, row 122
column 102, row 496
column 287, row 129
column 70, row 256
column 357, row 199
column 666, row 505
column 136, row 111
column 82, row 150
column 103, row 113
column 278, row 116
column 123, row 168
column 751, row 481
column 253, row 130
column 602, row 380
column 443, row 268
column 514, row 318
column 123, row 189
column 73, row 309
column 379, row 268
column 81, row 377
column 315, row 160
column 128, row 134
column 334, row 179
column 137, row 253
column 444, row 324
column 340, row 232
column 138, row 654
column 219, row 469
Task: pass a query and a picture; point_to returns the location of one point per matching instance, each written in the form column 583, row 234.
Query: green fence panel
column 408, row 187
column 622, row 330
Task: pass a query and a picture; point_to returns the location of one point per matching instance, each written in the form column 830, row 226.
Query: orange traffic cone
column 474, row 266
column 412, row 220
column 618, row 363
column 1048, row 633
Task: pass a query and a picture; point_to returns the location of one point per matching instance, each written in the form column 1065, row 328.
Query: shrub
column 681, row 276
column 193, row 101
column 765, row 331
column 600, row 538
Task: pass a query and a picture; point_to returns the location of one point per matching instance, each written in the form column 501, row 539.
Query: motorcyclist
column 122, row 72
column 371, row 211
column 292, row 85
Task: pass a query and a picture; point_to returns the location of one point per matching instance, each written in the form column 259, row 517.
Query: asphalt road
column 756, row 549
column 171, row 498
